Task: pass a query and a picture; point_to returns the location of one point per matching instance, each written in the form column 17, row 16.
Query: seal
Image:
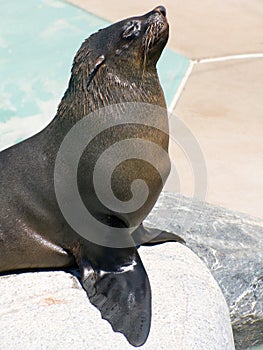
column 113, row 67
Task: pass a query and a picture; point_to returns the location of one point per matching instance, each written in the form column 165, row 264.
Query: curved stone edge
column 231, row 245
column 50, row 309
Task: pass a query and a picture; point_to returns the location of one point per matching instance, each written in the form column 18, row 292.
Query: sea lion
column 113, row 67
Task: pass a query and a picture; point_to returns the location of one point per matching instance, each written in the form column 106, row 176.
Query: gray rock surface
column 231, row 245
column 50, row 310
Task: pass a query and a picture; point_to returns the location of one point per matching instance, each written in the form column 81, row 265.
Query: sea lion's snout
column 161, row 10
column 157, row 19
column 156, row 33
column 157, row 14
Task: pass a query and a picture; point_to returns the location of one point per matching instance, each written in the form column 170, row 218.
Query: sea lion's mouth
column 154, row 34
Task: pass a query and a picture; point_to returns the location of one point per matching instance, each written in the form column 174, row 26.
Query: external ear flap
column 99, row 61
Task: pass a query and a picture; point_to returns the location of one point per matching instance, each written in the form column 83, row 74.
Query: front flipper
column 120, row 289
column 151, row 236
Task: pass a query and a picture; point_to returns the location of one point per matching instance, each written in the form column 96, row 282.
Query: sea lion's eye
column 131, row 29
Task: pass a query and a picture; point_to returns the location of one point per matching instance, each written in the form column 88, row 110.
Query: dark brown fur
column 117, row 64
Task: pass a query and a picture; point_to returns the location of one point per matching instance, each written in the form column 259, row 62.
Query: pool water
column 38, row 40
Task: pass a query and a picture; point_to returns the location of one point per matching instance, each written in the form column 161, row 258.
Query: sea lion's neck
column 109, row 86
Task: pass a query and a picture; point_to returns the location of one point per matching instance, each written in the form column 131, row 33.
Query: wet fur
column 117, row 64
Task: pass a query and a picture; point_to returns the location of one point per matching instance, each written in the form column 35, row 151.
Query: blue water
column 38, row 40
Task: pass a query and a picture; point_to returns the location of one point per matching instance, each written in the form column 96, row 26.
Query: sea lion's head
column 135, row 41
column 122, row 55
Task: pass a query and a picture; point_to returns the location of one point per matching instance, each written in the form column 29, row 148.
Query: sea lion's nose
column 161, row 10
